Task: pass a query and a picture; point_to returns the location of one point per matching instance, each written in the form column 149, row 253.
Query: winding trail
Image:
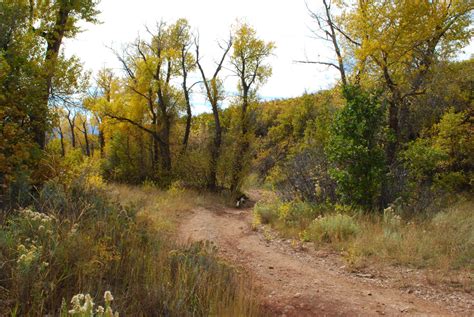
column 297, row 283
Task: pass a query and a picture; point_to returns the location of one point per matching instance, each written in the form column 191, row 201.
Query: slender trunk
column 187, row 131
column 393, row 115
column 156, row 143
column 101, row 135
column 165, row 132
column 54, row 41
column 61, row 137
column 212, row 91
column 156, row 153
column 165, row 145
column 72, row 127
column 86, row 138
column 215, row 149
column 243, row 146
column 101, row 143
column 337, row 50
column 392, row 144
column 142, row 156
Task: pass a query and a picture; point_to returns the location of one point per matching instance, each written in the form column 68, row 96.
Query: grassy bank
column 76, row 238
column 444, row 240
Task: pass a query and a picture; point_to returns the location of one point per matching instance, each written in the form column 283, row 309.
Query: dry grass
column 93, row 245
column 443, row 242
column 174, row 201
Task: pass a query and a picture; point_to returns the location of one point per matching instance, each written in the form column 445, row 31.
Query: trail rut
column 297, row 283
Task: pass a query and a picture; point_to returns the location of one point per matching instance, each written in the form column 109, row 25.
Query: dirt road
column 295, row 282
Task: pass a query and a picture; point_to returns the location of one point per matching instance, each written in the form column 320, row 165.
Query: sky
column 285, row 22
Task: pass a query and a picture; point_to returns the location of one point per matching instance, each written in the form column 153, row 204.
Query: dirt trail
column 298, row 283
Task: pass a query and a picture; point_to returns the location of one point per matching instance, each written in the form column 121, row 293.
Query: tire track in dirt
column 296, row 283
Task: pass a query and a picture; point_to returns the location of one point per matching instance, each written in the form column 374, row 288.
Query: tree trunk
column 156, row 153
column 54, row 41
column 101, row 143
column 215, row 149
column 187, row 131
column 86, row 138
column 212, row 91
column 166, row 158
column 186, row 98
column 61, row 137
column 337, row 50
column 392, row 144
column 243, row 147
column 165, row 146
column 72, row 126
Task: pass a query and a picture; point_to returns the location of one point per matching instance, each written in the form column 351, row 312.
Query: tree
column 100, row 99
column 213, row 88
column 71, row 119
column 20, row 78
column 355, row 149
column 106, row 83
column 398, row 42
column 83, row 122
column 248, row 61
column 328, row 30
column 441, row 160
column 57, row 20
column 151, row 68
column 182, row 35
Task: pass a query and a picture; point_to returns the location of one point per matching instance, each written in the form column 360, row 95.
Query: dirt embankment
column 294, row 282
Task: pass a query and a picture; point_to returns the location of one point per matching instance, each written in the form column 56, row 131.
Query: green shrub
column 442, row 157
column 297, row 213
column 332, row 228
column 293, row 214
column 355, row 149
column 267, row 213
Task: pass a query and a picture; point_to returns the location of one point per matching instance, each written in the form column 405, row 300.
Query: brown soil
column 297, row 281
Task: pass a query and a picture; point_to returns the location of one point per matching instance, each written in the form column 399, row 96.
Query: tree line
column 401, row 100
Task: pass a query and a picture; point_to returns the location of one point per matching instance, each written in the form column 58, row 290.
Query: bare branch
column 319, row 63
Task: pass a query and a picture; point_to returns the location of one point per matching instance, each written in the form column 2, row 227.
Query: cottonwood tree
column 83, row 127
column 71, row 119
column 20, row 79
column 56, row 20
column 181, row 33
column 215, row 94
column 398, row 44
column 248, row 64
column 150, row 68
column 100, row 99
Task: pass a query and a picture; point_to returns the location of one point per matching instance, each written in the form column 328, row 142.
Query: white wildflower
column 108, row 296
column 88, row 303
column 76, row 300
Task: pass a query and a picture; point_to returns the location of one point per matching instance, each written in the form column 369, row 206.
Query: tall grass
column 441, row 241
column 75, row 239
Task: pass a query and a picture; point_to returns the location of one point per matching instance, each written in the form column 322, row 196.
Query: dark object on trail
column 241, row 201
